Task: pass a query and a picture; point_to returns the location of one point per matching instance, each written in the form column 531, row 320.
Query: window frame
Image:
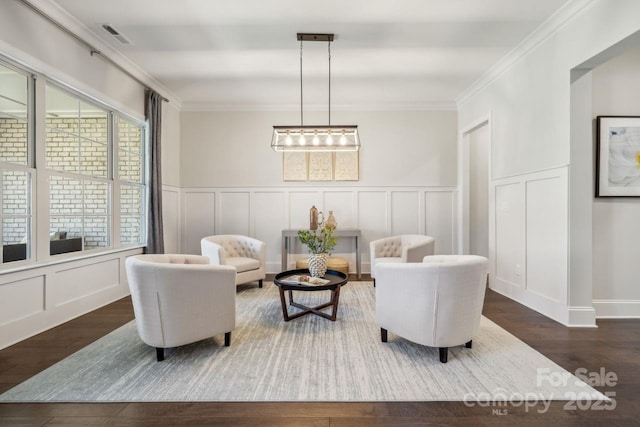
column 39, row 212
column 143, row 185
column 28, row 168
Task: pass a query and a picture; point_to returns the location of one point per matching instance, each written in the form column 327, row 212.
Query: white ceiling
column 244, row 53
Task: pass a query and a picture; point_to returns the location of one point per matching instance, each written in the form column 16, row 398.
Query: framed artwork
column 294, row 166
column 618, row 156
column 346, row 166
column 320, row 166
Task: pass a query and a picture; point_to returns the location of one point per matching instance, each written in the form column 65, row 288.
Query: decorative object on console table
column 618, row 156
column 331, row 222
column 313, row 218
column 319, row 242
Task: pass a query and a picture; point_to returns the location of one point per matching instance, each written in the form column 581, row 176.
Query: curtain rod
column 92, row 50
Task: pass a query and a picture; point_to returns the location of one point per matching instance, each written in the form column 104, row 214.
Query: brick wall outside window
column 77, row 149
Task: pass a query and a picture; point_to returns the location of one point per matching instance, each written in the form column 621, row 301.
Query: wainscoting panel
column 199, row 216
column 269, row 210
column 374, row 218
column 171, row 219
column 547, row 236
column 269, row 219
column 405, row 212
column 62, row 287
column 234, row 212
column 21, row 299
column 38, row 298
column 509, row 250
column 299, row 204
column 439, row 221
column 344, row 208
column 529, row 241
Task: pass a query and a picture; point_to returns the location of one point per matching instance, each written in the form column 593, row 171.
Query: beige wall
column 170, row 144
column 399, row 148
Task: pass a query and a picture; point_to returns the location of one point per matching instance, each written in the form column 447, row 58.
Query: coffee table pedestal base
column 335, row 298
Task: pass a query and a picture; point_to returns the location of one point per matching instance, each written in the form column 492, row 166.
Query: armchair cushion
column 246, row 254
column 402, row 248
column 243, row 264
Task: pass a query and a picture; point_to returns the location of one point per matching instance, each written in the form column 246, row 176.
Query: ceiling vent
column 116, row 34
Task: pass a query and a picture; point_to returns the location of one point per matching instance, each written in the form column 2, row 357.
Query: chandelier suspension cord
column 301, row 113
column 329, row 49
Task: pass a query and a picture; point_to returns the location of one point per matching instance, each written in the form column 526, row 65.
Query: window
column 131, row 175
column 85, row 171
column 77, row 152
column 15, row 165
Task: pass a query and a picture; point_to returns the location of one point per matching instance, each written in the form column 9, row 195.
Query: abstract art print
column 618, row 156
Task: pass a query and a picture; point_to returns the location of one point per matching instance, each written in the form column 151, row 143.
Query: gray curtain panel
column 153, row 112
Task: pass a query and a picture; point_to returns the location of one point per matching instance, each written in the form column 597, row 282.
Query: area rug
column 306, row 359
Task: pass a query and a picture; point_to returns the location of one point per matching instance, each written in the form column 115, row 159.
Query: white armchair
column 403, row 248
column 247, row 255
column 181, row 299
column 437, row 303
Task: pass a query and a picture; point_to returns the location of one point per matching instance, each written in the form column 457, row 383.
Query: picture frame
column 346, row 166
column 320, row 166
column 294, row 166
column 617, row 156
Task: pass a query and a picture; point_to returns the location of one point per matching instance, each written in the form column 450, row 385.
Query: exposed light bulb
column 288, row 140
column 316, row 140
column 343, row 140
column 302, row 141
column 329, row 140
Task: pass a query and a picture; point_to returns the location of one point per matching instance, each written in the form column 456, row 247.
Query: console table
column 287, row 235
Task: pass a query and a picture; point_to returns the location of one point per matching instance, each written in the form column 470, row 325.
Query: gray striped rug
column 307, row 359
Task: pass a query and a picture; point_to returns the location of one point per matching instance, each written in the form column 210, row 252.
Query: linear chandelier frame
column 311, row 138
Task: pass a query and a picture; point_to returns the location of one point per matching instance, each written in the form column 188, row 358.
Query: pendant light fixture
column 315, row 137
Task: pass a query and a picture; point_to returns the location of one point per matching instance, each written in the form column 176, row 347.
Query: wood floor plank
column 60, row 409
column 190, row 421
column 254, row 409
column 23, row 421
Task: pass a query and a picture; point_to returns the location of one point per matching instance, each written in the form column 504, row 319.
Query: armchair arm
column 406, row 300
column 416, row 251
column 213, row 251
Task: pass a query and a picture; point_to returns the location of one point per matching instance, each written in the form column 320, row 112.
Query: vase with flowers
column 319, row 242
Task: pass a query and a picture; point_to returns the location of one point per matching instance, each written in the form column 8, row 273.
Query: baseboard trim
column 568, row 316
column 582, row 317
column 616, row 309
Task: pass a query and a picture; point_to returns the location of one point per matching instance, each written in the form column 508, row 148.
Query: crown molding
column 439, row 106
column 552, row 25
column 57, row 12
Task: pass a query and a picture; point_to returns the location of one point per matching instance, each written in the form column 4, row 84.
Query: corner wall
column 616, row 229
column 529, row 100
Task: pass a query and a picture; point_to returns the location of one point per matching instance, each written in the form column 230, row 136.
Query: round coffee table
column 337, row 279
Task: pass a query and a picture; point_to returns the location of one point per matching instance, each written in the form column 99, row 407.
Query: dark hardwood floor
column 613, row 346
